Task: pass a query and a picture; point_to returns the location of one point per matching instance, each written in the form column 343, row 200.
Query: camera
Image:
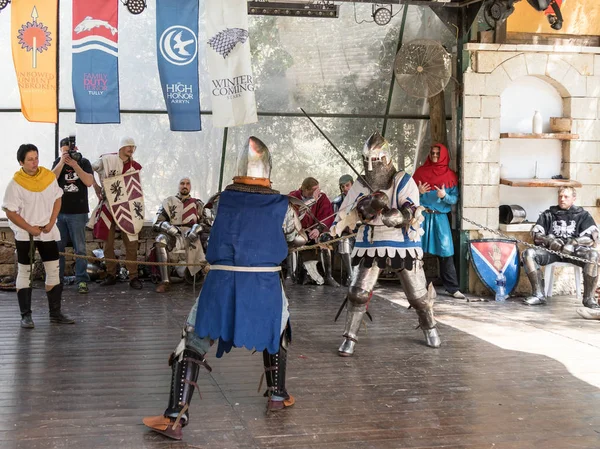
column 73, row 153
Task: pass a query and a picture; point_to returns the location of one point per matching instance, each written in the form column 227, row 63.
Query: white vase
column 537, row 123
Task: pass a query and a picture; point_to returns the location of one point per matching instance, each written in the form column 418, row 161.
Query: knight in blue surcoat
column 242, row 302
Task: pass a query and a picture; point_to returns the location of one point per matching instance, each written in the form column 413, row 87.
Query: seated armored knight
column 316, row 215
column 178, row 222
column 344, row 247
column 566, row 230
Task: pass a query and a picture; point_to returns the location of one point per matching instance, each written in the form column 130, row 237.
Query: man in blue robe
column 242, row 302
column 438, row 191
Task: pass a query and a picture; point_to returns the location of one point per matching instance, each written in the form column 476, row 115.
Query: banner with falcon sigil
column 126, row 201
column 177, row 57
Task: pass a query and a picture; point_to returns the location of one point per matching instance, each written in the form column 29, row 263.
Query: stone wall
column 575, row 73
column 7, row 258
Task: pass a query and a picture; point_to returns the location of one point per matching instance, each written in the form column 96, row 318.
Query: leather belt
column 431, row 211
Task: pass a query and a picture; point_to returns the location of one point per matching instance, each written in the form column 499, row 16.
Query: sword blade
column 361, row 177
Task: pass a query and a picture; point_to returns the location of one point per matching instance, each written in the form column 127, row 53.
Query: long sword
column 361, row 177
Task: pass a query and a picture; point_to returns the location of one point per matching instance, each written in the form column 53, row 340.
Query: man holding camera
column 74, row 175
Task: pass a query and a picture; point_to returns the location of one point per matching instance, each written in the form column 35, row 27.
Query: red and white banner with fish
column 229, row 63
column 95, row 74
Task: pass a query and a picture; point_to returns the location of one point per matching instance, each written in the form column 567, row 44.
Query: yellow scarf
column 36, row 183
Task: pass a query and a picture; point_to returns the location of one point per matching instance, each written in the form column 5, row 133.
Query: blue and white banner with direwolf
column 95, row 73
column 229, row 63
column 177, row 54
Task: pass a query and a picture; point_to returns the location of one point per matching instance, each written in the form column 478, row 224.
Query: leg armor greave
column 534, row 273
column 161, row 244
column 529, row 262
column 292, row 267
column 347, row 262
column 275, row 373
column 590, row 277
column 325, row 255
column 183, row 381
column 359, row 294
column 421, row 299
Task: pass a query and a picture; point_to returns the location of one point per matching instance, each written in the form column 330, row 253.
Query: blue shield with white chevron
column 492, row 256
column 95, row 71
column 177, row 56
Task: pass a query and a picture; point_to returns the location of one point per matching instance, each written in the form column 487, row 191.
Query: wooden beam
column 437, row 112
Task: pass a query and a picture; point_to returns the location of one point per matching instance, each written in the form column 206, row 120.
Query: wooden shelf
column 555, row 136
column 521, row 227
column 525, row 182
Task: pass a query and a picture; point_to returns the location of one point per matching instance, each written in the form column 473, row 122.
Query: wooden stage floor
column 506, row 377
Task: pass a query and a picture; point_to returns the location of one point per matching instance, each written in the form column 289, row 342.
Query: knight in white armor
column 390, row 216
column 344, row 247
column 179, row 225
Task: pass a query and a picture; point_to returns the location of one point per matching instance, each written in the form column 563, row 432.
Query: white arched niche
column 529, row 158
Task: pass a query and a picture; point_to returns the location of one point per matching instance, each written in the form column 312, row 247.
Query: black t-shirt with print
column 75, row 192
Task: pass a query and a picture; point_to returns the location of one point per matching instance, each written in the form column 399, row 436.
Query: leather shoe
column 163, row 287
column 27, row 322
column 135, row 283
column 273, row 406
column 60, row 318
column 165, row 426
column 110, row 280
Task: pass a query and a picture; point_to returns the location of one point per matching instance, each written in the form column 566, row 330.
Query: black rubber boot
column 54, row 304
column 24, row 296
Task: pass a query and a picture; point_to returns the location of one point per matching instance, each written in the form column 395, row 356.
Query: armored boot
column 327, row 268
column 424, row 308
column 427, row 325
column 24, row 296
column 347, row 262
column 54, row 304
column 421, row 298
column 589, row 288
column 537, row 288
column 275, row 370
column 292, row 267
column 161, row 256
column 354, row 318
column 183, row 382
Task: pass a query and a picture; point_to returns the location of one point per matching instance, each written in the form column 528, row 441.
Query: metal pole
column 223, row 152
column 391, row 91
column 57, row 125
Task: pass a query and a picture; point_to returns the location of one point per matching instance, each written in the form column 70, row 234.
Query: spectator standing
column 74, row 175
column 438, row 191
column 32, row 202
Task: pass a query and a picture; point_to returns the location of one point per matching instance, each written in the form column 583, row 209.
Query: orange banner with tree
column 33, row 40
